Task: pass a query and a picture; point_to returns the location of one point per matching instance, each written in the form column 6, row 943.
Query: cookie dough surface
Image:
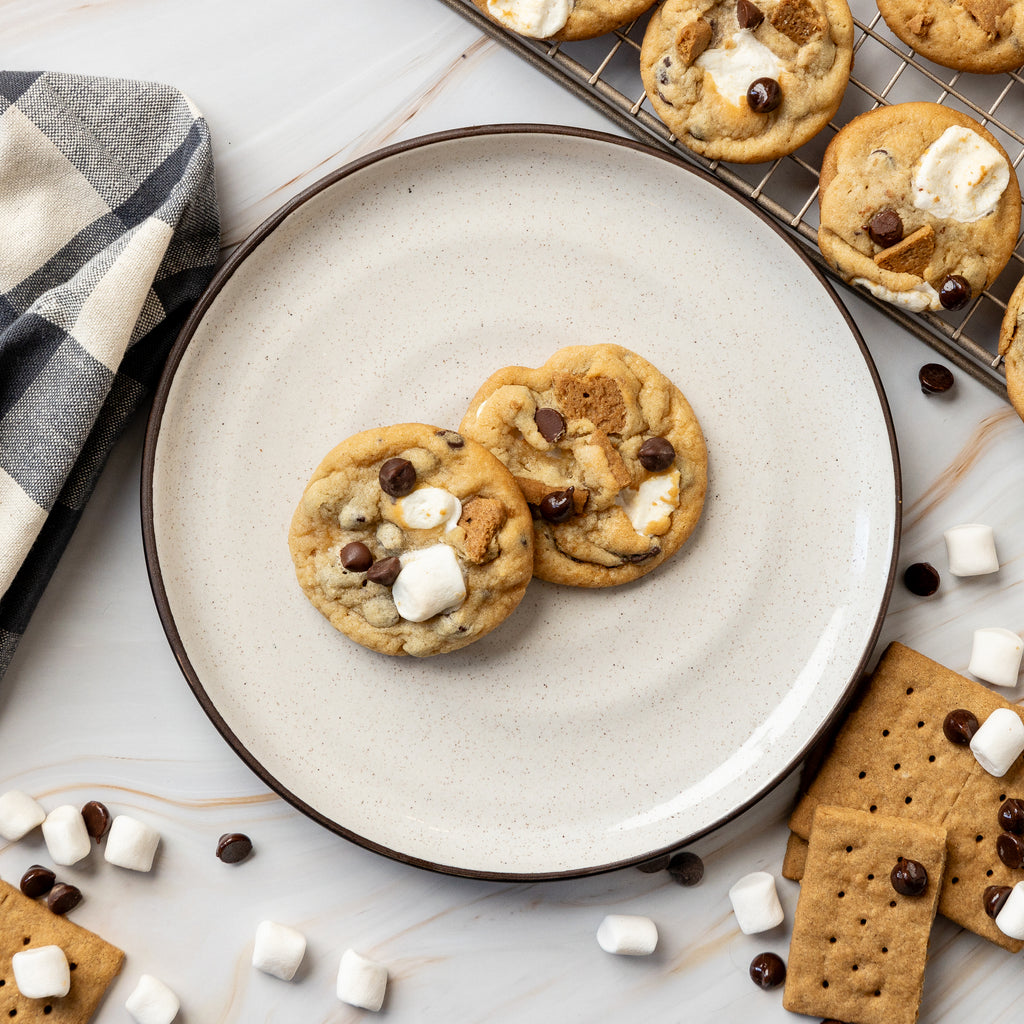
column 952, row 189
column 1011, row 347
column 983, row 36
column 699, row 58
column 580, row 422
column 463, row 525
column 563, row 20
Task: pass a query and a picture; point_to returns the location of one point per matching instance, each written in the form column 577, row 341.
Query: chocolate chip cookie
column 747, row 80
column 1011, row 347
column 919, row 204
column 609, row 455
column 563, row 20
column 412, row 539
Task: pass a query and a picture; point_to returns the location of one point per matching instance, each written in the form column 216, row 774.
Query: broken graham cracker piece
column 909, row 256
column 859, row 947
column 988, row 14
column 693, row 40
column 598, row 399
column 797, row 20
column 795, row 858
column 480, row 521
column 25, row 924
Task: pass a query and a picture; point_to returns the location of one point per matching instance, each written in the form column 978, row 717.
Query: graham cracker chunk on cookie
column 859, row 946
column 911, row 255
column 26, row 924
column 797, row 19
column 693, row 40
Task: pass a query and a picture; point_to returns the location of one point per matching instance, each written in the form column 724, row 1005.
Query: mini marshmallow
column 41, row 972
column 996, row 655
column 278, row 950
column 361, row 982
column 430, row 582
column 152, row 1002
column 755, row 903
column 66, row 836
column 999, row 741
column 627, row 935
column 19, row 814
column 1010, row 920
column 131, row 844
column 971, row 549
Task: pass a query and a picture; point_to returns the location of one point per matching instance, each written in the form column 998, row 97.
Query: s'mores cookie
column 919, row 204
column 563, row 20
column 1011, row 347
column 609, row 455
column 412, row 539
column 747, row 80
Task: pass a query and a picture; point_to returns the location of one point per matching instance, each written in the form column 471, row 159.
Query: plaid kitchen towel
column 109, row 231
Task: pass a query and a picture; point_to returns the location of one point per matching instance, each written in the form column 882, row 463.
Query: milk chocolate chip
column 385, row 571
column 97, row 819
column 935, row 378
column 885, row 228
column 1011, row 850
column 656, row 454
column 233, row 847
column 550, row 423
column 63, row 898
column 556, row 507
column 397, row 477
column 921, row 578
column 356, row 557
column 994, row 897
column 686, row 868
column 908, row 877
column 1011, row 816
column 959, row 726
column 767, row 970
column 37, row 881
column 748, row 15
column 954, row 292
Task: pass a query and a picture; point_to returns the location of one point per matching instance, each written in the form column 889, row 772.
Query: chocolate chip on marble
column 384, row 571
column 397, row 477
column 764, row 95
column 994, row 897
column 767, row 970
column 954, row 292
column 1011, row 850
column 451, row 439
column 556, row 507
column 921, row 578
column 356, row 556
column 63, row 897
column 748, row 15
column 909, row 877
column 97, row 819
column 960, row 725
column 233, row 847
column 550, row 423
column 885, row 228
column 686, row 868
column 656, row 454
column 37, row 881
column 1011, row 816
column 935, row 378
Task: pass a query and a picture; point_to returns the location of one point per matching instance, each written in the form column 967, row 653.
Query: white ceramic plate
column 593, row 728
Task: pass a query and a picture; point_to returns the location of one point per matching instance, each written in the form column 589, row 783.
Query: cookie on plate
column 1011, row 347
column 563, row 20
column 919, row 204
column 609, row 455
column 411, row 539
column 747, row 80
column 983, row 36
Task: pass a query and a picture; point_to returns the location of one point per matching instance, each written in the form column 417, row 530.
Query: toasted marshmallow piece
column 1010, row 920
column 971, row 549
column 66, row 836
column 152, row 1002
column 737, row 61
column 755, row 903
column 960, row 176
column 538, row 19
column 41, row 972
column 19, row 814
column 649, row 508
column 628, row 935
column 996, row 655
column 427, row 507
column 278, row 950
column 361, row 982
column 430, row 583
column 131, row 844
column 999, row 741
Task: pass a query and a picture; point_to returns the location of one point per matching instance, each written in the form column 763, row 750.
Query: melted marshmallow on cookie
column 651, row 505
column 960, row 176
column 427, row 507
column 538, row 19
column 738, row 61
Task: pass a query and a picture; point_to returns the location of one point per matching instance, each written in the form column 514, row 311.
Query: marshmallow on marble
column 41, row 972
column 1010, row 920
column 999, row 741
column 996, row 655
column 19, row 814
column 152, row 1002
column 278, row 950
column 971, row 549
column 430, row 582
column 361, row 982
column 755, row 903
column 131, row 844
column 67, row 838
column 628, row 935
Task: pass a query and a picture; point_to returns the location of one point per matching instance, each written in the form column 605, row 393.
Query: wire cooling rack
column 606, row 73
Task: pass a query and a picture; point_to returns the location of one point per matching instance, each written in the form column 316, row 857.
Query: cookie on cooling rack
column 919, row 204
column 411, row 539
column 983, row 36
column 563, row 20
column 609, row 455
column 1011, row 347
column 747, row 80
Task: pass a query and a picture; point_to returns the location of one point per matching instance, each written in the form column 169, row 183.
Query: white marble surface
column 94, row 706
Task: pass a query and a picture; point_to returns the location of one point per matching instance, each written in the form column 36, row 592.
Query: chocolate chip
column 233, row 847
column 1011, row 816
column 385, row 571
column 397, row 477
column 921, row 578
column 63, row 897
column 551, row 424
column 935, row 378
column 885, row 228
column 748, row 15
column 656, row 454
column 994, row 897
column 37, row 881
column 651, row 867
column 97, row 819
column 686, row 868
column 764, row 95
column 959, row 726
column 451, row 439
column 356, row 556
column 908, row 877
column 767, row 970
column 556, row 507
column 1011, row 850
column 954, row 292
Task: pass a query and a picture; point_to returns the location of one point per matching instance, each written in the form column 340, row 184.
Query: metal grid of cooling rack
column 605, row 72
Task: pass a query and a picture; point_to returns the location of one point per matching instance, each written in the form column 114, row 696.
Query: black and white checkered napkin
column 109, row 231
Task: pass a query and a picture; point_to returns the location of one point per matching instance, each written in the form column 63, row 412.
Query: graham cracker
column 859, row 948
column 798, row 20
column 693, row 40
column 598, row 399
column 794, row 861
column 26, row 923
column 911, row 255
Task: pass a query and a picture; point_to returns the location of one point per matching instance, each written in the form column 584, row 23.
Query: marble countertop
column 95, row 707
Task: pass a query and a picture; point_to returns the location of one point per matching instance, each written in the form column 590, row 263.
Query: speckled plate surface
column 593, row 728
